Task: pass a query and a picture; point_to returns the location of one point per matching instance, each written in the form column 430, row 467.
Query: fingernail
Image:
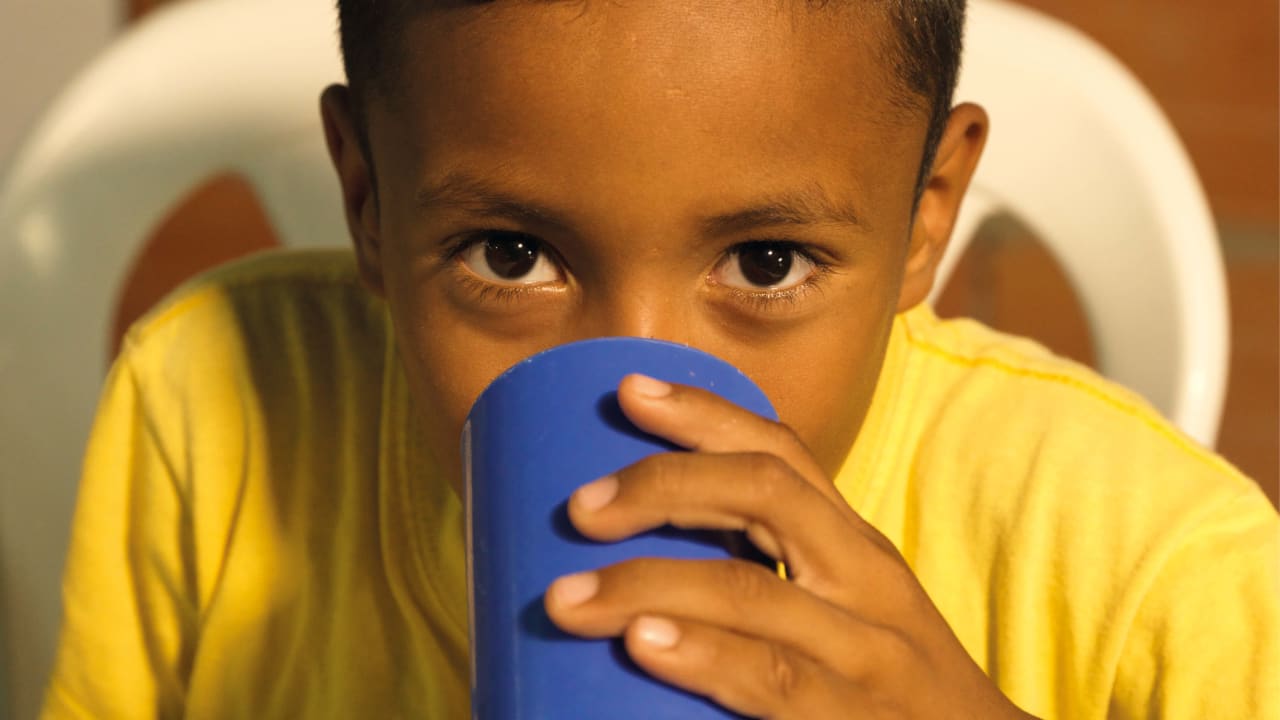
column 596, row 494
column 573, row 590
column 650, row 387
column 658, row 633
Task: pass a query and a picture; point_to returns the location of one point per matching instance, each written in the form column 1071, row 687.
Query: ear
column 355, row 174
column 953, row 166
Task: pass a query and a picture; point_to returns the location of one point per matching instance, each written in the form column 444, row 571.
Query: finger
column 746, row 675
column 733, row 594
column 759, row 494
column 696, row 419
column 699, row 420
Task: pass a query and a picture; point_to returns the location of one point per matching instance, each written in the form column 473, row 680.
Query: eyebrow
column 465, row 193
column 475, row 196
column 811, row 206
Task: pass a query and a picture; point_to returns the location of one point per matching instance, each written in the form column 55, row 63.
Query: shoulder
column 1032, row 488
column 282, row 307
column 1044, row 407
column 1044, row 449
column 275, row 336
column 235, row 450
column 272, row 288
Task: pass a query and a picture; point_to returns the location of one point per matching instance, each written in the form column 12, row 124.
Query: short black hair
column 926, row 49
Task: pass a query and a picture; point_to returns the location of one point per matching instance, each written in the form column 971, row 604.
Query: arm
column 128, row 610
column 1206, row 640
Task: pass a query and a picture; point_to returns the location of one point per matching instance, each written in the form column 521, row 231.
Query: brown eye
column 510, row 258
column 764, row 266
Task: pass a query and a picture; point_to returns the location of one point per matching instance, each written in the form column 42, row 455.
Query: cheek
column 447, row 356
column 824, row 390
column 447, row 364
column 821, row 377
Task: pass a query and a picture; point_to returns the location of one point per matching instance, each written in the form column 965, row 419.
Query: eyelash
column 480, row 289
column 767, row 300
column 763, row 301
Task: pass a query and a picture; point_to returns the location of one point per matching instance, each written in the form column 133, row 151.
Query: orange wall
column 1214, row 66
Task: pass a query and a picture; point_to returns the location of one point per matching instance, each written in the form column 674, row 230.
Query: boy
column 270, row 527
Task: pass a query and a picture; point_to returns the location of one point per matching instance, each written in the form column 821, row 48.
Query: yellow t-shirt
column 259, row 536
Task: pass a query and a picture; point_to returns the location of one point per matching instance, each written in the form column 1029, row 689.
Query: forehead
column 728, row 87
column 738, row 45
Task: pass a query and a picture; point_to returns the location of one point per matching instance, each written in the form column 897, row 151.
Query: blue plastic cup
column 542, row 429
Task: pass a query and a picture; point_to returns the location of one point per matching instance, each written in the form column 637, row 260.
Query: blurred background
column 1214, row 67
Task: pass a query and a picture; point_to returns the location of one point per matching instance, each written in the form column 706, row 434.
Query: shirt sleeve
column 129, row 616
column 1206, row 642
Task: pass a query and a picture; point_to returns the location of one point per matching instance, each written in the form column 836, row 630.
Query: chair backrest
column 208, row 86
column 1081, row 153
column 198, row 88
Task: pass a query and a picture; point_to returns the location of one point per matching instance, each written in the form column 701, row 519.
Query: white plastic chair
column 198, row 88
column 214, row 85
column 1081, row 153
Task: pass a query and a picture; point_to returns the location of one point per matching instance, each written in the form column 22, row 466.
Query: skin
column 639, row 147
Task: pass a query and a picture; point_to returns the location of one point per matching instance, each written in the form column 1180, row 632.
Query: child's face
column 608, row 163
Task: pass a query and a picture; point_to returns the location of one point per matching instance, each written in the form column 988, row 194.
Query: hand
column 850, row 633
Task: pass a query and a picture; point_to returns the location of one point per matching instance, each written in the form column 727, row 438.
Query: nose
column 650, row 313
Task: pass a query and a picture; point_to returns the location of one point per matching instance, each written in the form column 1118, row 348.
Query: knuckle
column 768, row 467
column 746, row 582
column 783, row 674
column 879, row 540
column 769, row 474
column 786, row 436
column 663, row 474
column 895, row 657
